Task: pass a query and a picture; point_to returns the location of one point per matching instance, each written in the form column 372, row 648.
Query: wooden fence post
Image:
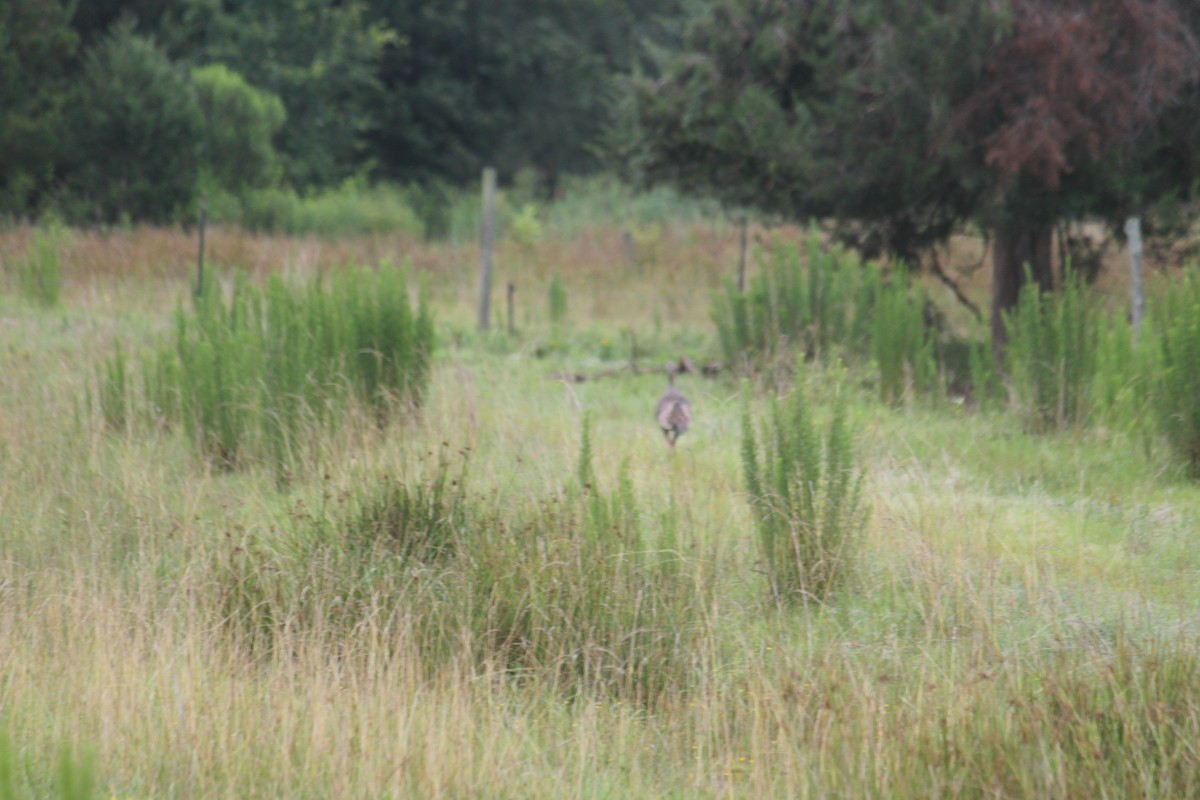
column 200, row 255
column 1137, row 294
column 485, row 259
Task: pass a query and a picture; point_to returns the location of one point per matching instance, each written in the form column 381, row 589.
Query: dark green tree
column 239, row 123
column 320, row 58
column 513, row 83
column 904, row 119
column 36, row 51
column 134, row 129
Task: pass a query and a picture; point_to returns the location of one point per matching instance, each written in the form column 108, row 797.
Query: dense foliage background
column 116, row 110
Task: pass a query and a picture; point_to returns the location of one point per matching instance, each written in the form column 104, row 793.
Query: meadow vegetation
column 873, row 567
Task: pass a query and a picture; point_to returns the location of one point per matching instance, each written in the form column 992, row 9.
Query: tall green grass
column 252, row 375
column 39, row 270
column 806, row 494
column 792, row 306
column 576, row 589
column 829, row 302
column 1053, row 340
column 1178, row 388
column 74, row 776
column 902, row 344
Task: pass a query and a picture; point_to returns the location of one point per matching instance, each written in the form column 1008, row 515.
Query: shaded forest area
column 116, row 110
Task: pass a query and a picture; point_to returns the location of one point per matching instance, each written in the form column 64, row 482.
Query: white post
column 1137, row 294
column 485, row 260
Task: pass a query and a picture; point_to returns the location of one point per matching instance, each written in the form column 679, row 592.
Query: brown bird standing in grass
column 674, row 412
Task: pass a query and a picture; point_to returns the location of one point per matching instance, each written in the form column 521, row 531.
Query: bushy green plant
column 1123, row 390
column 350, row 209
column 330, row 568
column 575, row 589
column 791, row 308
column 806, row 495
column 557, row 294
column 39, row 270
column 1051, row 354
column 114, row 390
column 902, row 345
column 579, row 590
column 239, row 122
column 134, row 131
column 1178, row 387
column 525, row 228
column 251, row 377
column 987, row 384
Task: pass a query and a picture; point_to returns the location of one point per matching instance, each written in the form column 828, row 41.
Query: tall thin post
column 741, row 276
column 1137, row 293
column 512, row 290
column 200, row 255
column 485, row 259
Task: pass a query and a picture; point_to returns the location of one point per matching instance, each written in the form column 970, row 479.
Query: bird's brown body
column 674, row 411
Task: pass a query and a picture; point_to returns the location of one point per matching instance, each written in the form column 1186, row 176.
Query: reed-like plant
column 575, row 589
column 808, row 305
column 114, row 390
column 902, row 345
column 805, row 491
column 1051, row 354
column 249, row 377
column 1178, row 386
column 787, row 306
column 39, row 270
column 557, row 296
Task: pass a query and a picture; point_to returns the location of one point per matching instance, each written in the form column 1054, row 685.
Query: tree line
column 127, row 109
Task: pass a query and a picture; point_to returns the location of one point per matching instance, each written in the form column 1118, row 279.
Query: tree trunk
column 1016, row 247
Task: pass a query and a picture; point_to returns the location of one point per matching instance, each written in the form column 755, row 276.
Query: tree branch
column 954, row 287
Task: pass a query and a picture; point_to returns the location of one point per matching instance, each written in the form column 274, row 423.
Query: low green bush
column 806, row 494
column 793, row 307
column 252, row 376
column 578, row 589
column 39, row 270
column 902, row 345
column 352, row 209
column 1053, row 340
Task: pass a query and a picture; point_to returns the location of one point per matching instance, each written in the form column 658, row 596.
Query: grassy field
column 1022, row 618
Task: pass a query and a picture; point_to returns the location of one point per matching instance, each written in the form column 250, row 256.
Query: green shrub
column 788, row 308
column 1123, row 391
column 238, row 125
column 574, row 589
column 1178, row 387
column 39, row 271
column 1051, row 355
column 251, row 377
column 351, row 209
column 987, row 384
column 579, row 591
column 558, row 301
column 901, row 343
column 114, row 390
column 369, row 555
column 806, row 495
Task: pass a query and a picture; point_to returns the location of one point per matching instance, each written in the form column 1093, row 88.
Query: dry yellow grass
column 1014, row 594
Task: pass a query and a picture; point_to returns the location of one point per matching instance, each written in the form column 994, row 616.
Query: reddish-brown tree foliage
column 1075, row 79
column 1076, row 83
